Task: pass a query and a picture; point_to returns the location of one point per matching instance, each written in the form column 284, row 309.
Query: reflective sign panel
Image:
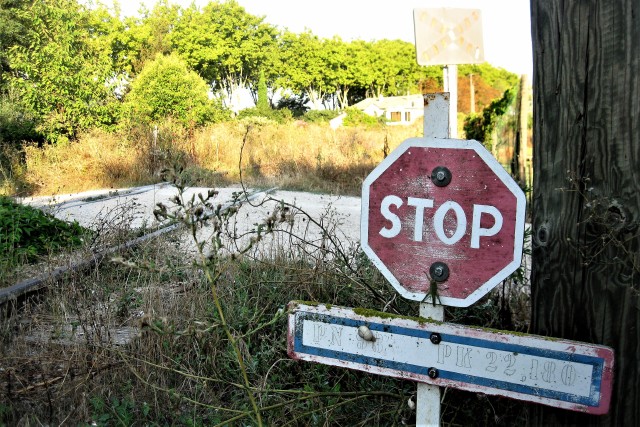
column 448, row 36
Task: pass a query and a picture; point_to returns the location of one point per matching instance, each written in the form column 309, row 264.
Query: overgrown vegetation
column 191, row 330
column 76, row 74
column 94, row 68
column 27, row 233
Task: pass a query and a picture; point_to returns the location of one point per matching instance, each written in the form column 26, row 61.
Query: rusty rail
column 34, row 284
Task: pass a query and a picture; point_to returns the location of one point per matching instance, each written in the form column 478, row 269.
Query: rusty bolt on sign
column 433, row 373
column 439, row 271
column 441, row 176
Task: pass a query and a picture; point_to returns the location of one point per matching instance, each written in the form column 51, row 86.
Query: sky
column 506, row 23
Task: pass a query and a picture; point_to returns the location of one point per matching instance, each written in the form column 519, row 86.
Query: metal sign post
column 437, row 118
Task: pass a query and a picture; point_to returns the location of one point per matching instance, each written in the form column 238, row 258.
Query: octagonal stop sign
column 444, row 210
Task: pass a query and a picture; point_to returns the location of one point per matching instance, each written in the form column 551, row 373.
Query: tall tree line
column 66, row 67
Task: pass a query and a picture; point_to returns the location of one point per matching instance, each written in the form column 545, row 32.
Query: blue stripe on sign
column 595, row 362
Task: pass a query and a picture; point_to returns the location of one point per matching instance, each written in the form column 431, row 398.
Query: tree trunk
column 586, row 206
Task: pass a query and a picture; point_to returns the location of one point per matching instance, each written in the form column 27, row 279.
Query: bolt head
column 441, row 176
column 439, row 271
column 433, row 373
column 435, row 338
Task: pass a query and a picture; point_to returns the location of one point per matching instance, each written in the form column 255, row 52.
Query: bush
column 16, row 124
column 278, row 116
column 319, row 116
column 27, row 233
column 356, row 117
column 166, row 88
column 296, row 104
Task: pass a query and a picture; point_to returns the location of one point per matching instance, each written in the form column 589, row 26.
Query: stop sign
column 446, row 210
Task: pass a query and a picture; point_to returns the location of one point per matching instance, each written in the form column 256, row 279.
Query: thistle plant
column 203, row 212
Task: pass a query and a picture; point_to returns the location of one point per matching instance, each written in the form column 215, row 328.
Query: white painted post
column 428, row 399
column 436, row 125
column 450, row 75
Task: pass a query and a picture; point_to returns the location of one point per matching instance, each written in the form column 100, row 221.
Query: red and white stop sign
column 446, row 210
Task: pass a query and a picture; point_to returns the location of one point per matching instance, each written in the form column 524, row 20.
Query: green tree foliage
column 226, row 45
column 166, row 88
column 303, row 66
column 11, row 31
column 65, row 68
column 395, row 71
column 498, row 78
column 16, row 123
column 137, row 40
column 480, row 126
column 60, row 72
column 296, row 104
column 263, row 99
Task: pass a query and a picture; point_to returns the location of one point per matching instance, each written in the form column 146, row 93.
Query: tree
column 225, row 45
column 12, row 30
column 302, row 66
column 395, row 69
column 263, row 99
column 166, row 88
column 586, row 201
column 17, row 123
column 59, row 71
column 480, row 126
column 138, row 40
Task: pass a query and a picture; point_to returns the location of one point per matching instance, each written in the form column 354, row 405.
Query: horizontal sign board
column 565, row 374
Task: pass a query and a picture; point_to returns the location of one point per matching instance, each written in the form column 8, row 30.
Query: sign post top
column 448, row 36
column 442, row 209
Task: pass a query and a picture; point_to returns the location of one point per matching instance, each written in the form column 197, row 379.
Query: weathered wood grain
column 586, row 205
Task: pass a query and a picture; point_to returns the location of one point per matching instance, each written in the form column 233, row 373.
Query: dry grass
column 292, row 156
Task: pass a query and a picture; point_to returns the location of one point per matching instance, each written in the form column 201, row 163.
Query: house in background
column 398, row 110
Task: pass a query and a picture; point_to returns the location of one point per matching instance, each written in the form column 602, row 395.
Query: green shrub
column 166, row 88
column 356, row 117
column 278, row 116
column 27, row 233
column 318, row 116
column 296, row 104
column 16, row 124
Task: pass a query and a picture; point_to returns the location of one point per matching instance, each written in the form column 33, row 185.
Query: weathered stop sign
column 445, row 210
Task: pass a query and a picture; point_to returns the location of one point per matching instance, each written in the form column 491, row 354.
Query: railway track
column 13, row 295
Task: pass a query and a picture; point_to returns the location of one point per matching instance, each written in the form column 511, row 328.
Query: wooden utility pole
column 586, row 205
column 522, row 154
column 472, row 95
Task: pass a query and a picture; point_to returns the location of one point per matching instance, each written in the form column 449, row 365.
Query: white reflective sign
column 448, row 36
